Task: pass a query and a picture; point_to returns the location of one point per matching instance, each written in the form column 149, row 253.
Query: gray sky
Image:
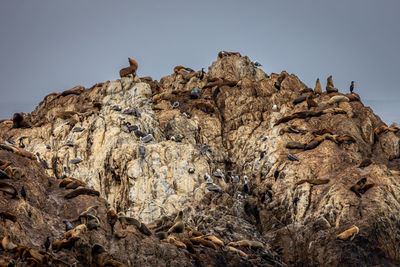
column 52, row 45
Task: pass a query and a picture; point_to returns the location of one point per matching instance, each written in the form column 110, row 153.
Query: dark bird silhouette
column 4, row 175
column 23, row 192
column 68, row 225
column 202, row 74
column 42, row 161
column 276, row 175
column 352, row 87
column 47, row 243
column 277, row 86
column 246, row 188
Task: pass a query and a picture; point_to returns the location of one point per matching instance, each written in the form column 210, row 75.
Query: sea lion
column 246, row 243
column 4, row 164
column 310, row 102
column 93, row 222
column 92, row 210
column 365, row 162
column 313, row 181
column 356, row 188
column 350, row 233
column 322, row 132
column 393, row 172
column 8, row 216
column 299, row 100
column 337, row 99
column 318, row 88
column 19, row 121
column 347, row 139
column 382, row 129
column 329, row 85
column 133, row 65
column 201, row 241
column 82, row 191
column 295, row 145
column 365, row 187
column 238, row 251
column 314, row 143
column 112, row 218
column 161, row 235
column 7, row 244
column 216, row 240
column 353, row 97
column 67, row 244
column 189, row 245
column 8, row 189
column 178, row 68
column 14, row 172
column 75, row 232
column 178, row 226
column 67, row 181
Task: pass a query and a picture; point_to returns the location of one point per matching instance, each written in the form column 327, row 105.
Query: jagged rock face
column 224, row 129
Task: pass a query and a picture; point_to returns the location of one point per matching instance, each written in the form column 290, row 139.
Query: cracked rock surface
column 152, row 149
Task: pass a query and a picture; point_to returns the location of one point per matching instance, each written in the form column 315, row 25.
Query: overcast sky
column 52, row 45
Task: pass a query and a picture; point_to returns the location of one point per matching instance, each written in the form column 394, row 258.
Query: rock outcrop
column 231, row 150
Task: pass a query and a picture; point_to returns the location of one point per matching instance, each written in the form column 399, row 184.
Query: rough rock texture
column 284, row 205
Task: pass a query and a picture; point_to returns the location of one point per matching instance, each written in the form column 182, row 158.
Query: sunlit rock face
column 153, row 148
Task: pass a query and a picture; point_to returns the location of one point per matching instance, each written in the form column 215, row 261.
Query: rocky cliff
column 266, row 171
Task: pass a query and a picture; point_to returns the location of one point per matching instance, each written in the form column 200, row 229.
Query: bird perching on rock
column 352, row 87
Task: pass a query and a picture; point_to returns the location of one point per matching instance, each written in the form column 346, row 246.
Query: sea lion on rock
column 8, row 216
column 216, row 240
column 8, row 189
column 238, row 251
column 67, row 244
column 322, row 132
column 310, row 102
column 299, row 100
column 133, row 65
column 7, row 244
column 246, row 243
column 314, row 143
column 295, row 145
column 313, row 181
column 329, row 85
column 365, row 162
column 356, row 188
column 337, row 99
column 352, row 97
column 112, row 218
column 201, row 241
column 318, row 88
column 82, row 191
column 350, row 233
column 178, row 226
column 19, row 121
